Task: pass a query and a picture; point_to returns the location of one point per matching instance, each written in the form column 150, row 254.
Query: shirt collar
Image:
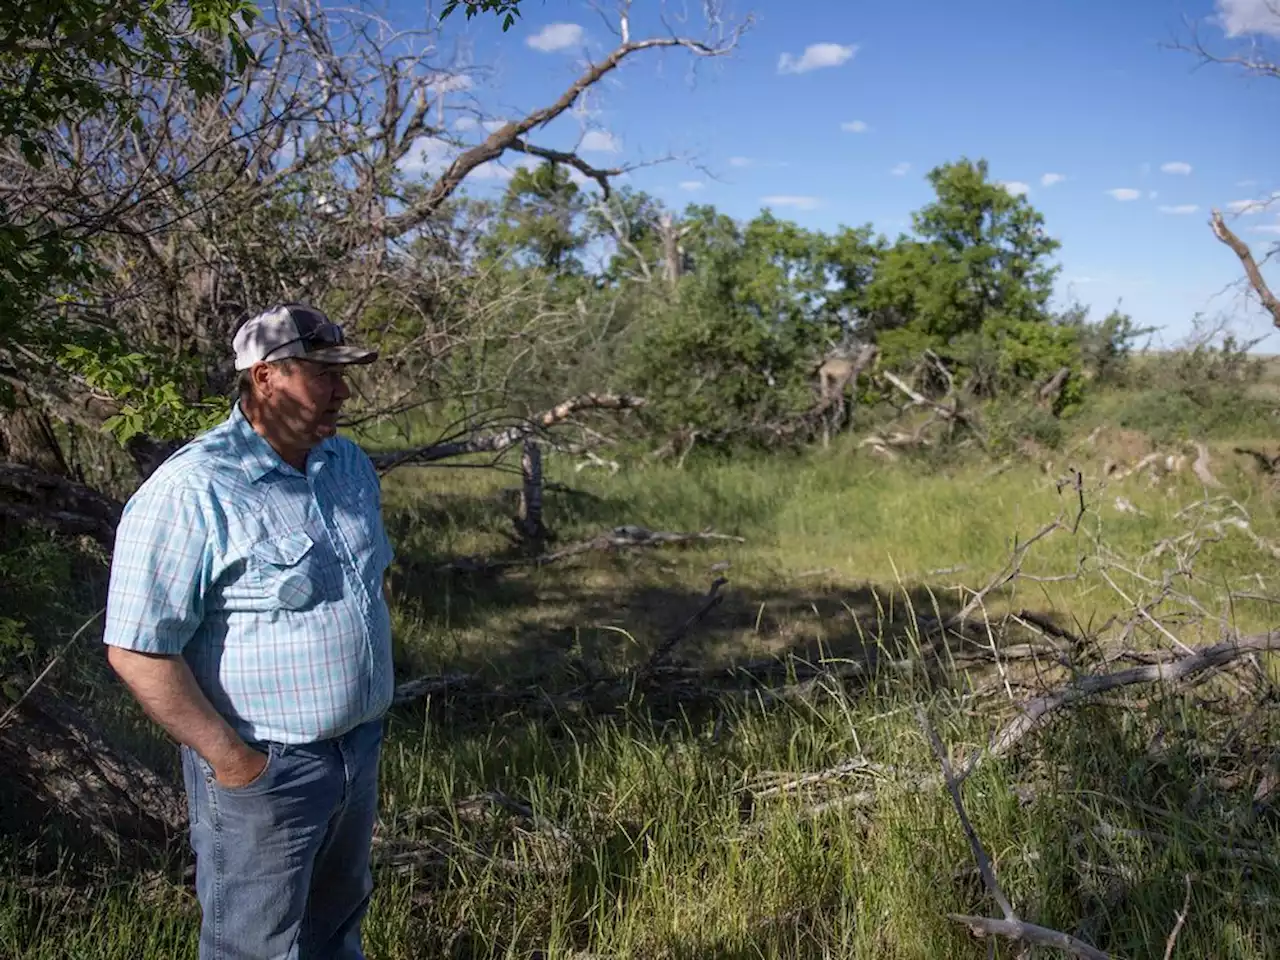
column 258, row 457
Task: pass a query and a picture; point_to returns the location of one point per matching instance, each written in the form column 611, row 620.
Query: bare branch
column 501, row 440
column 1241, row 250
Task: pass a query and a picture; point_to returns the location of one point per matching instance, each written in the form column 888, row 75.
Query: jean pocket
column 191, row 784
column 259, row 784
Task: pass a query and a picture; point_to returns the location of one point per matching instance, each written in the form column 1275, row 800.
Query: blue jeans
column 282, row 865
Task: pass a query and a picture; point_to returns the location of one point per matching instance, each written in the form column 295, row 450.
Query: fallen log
column 57, row 503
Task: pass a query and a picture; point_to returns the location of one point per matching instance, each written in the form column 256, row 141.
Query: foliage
column 64, row 66
column 974, row 285
column 147, row 394
column 507, row 9
column 1106, row 346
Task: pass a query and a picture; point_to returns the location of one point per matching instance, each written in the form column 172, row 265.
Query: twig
column 979, row 855
column 710, row 602
column 1011, row 926
column 1177, row 927
column 4, row 720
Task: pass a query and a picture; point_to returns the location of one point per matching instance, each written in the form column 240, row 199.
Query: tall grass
column 655, row 833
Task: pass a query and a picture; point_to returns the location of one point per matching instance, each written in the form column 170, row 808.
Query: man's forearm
column 167, row 691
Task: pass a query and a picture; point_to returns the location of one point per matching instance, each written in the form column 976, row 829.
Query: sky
column 831, row 113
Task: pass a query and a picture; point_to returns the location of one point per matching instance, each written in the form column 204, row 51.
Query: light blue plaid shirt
column 267, row 581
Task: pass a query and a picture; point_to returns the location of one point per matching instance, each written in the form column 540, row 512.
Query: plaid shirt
column 268, row 582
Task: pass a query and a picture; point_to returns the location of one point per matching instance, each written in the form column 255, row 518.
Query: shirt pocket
column 286, row 571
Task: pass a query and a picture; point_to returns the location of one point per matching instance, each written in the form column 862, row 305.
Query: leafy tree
column 538, row 222
column 63, row 65
column 974, row 283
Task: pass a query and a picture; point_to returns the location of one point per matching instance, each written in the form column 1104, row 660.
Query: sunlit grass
column 654, row 843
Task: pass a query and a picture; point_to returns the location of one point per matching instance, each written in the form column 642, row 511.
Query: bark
column 58, row 767
column 32, row 496
column 27, row 437
column 1241, row 250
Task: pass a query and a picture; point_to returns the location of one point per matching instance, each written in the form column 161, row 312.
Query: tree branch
column 501, row 440
column 506, row 136
column 1241, row 250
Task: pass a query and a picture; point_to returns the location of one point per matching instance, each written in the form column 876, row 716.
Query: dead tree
column 837, row 376
column 327, row 172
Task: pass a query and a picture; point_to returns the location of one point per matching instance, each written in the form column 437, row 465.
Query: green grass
column 657, row 837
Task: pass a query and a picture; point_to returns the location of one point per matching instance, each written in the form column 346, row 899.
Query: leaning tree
column 315, row 159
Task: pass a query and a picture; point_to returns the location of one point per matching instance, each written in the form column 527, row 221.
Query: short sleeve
column 386, row 553
column 155, row 598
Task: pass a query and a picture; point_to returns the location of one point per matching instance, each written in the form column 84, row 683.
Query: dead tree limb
column 499, row 440
column 1011, row 926
column 709, row 603
column 1242, row 251
column 1034, row 714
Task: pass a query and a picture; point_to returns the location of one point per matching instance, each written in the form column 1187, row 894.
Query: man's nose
column 340, row 390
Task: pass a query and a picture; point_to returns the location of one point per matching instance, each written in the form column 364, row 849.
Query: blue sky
column 831, row 112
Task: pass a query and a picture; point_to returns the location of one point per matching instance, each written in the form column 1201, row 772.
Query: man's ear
column 262, row 380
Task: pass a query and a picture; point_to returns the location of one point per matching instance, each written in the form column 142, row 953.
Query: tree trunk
column 60, row 773
column 27, row 437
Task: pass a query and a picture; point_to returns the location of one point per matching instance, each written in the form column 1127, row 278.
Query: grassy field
column 678, row 823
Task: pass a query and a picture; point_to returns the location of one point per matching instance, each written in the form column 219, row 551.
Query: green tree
column 63, row 65
column 730, row 356
column 974, row 283
column 539, row 222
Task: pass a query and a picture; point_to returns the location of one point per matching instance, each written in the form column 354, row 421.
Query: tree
column 302, row 174
column 63, row 66
column 974, row 284
column 538, row 222
column 1247, row 31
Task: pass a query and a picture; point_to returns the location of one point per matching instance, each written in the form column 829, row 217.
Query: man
column 246, row 614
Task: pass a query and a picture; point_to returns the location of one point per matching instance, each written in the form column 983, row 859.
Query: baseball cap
column 295, row 330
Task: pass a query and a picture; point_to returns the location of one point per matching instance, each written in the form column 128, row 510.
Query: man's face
column 302, row 399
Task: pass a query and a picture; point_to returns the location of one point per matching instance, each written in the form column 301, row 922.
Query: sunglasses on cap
column 324, row 334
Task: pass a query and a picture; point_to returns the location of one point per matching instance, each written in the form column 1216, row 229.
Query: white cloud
column 786, row 200
column 427, row 155
column 492, row 125
column 449, row 83
column 556, row 36
column 1246, row 183
column 1049, row 179
column 900, row 169
column 854, row 126
column 1015, row 188
column 464, row 123
column 815, row 57
column 1125, row 193
column 1176, row 167
column 692, row 186
column 1245, row 206
column 740, row 161
column 1266, row 228
column 1241, row 17
column 600, row 141
column 1181, row 208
